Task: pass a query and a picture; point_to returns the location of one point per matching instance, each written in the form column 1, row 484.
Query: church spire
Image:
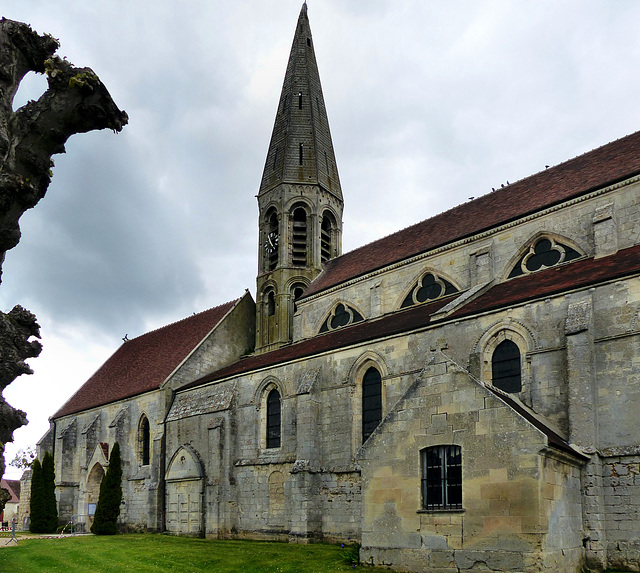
column 300, row 199
column 301, row 151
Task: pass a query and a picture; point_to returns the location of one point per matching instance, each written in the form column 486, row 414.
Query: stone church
column 459, row 395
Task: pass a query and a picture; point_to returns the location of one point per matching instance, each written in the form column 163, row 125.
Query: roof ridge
column 190, row 317
column 616, row 161
column 494, row 190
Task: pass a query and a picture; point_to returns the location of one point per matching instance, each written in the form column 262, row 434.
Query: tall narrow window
column 300, row 154
column 299, row 100
column 506, row 371
column 272, row 241
column 273, row 419
column 271, row 303
column 326, row 238
column 299, row 247
column 442, row 477
column 297, row 291
column 371, row 402
column 144, row 439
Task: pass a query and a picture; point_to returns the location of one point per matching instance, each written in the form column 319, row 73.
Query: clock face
column 272, row 242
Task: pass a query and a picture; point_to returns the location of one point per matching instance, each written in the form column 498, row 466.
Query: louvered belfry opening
column 326, row 231
column 299, row 243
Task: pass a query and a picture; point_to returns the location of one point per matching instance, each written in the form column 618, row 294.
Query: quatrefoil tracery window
column 341, row 315
column 545, row 253
column 429, row 287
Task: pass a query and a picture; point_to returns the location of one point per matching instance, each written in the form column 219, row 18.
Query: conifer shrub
column 49, row 486
column 43, row 508
column 36, row 507
column 105, row 520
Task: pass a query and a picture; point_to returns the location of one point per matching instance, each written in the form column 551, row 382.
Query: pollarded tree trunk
column 76, row 101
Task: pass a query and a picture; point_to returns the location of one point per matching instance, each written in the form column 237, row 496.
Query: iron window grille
column 442, row 478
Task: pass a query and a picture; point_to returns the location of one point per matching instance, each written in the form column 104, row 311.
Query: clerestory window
column 545, row 253
column 441, row 478
column 429, row 287
column 341, row 315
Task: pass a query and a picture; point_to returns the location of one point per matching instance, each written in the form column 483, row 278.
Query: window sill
column 442, row 510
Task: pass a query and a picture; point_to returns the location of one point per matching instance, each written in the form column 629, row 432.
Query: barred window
column 371, row 402
column 273, row 419
column 506, row 372
column 442, row 477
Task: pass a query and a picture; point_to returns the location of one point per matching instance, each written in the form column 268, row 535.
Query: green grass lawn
column 154, row 553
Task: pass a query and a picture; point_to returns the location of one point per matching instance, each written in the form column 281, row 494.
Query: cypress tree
column 36, row 507
column 105, row 521
column 49, row 486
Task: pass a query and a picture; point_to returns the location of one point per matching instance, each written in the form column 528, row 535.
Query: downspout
column 163, row 456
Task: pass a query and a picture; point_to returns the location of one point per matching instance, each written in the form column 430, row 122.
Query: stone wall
column 488, row 256
column 521, row 500
column 621, row 485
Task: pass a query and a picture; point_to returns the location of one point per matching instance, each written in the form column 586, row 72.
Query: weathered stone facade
column 452, row 405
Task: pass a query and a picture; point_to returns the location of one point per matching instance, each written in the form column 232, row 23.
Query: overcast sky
column 430, row 103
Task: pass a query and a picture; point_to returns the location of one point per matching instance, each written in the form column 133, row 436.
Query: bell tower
column 300, row 199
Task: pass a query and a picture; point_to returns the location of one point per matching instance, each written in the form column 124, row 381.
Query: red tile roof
column 604, row 166
column 554, row 439
column 361, row 332
column 144, row 363
column 574, row 275
column 13, row 487
column 577, row 274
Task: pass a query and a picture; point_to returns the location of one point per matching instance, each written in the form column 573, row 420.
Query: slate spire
column 301, row 151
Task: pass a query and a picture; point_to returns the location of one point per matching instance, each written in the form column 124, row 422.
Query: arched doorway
column 185, row 480
column 93, row 491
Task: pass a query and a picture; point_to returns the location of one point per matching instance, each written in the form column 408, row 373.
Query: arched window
column 545, row 253
column 429, row 287
column 299, row 246
column 506, row 371
column 297, row 290
column 327, row 230
column 271, row 303
column 341, row 315
column 273, row 419
column 441, row 477
column 371, row 402
column 144, row 441
column 272, row 240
